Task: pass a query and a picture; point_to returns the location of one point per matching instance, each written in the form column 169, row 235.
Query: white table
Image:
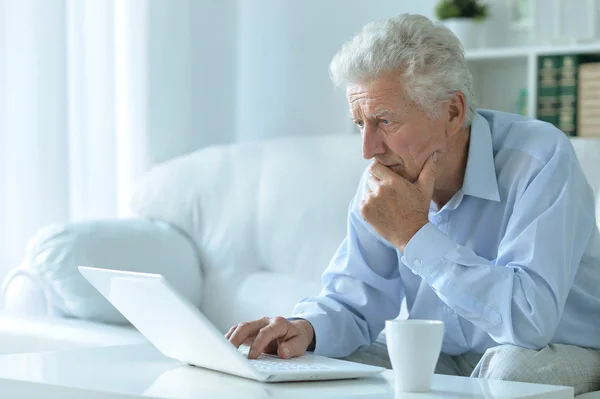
column 139, row 371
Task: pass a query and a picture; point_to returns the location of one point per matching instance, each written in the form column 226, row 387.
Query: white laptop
column 180, row 331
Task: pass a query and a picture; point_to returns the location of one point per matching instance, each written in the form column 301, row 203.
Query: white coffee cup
column 414, row 347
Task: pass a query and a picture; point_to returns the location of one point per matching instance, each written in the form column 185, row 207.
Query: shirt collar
column 480, row 174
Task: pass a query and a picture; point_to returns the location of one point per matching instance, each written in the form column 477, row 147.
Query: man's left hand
column 395, row 207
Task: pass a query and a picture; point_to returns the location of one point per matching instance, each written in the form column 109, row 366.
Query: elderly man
column 481, row 219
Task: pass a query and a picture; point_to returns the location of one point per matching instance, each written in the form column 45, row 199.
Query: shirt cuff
column 320, row 324
column 313, row 343
column 426, row 249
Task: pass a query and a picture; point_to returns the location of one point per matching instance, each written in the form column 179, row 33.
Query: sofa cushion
column 49, row 283
column 272, row 206
column 254, row 298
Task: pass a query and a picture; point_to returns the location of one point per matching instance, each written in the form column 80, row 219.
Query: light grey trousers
column 555, row 364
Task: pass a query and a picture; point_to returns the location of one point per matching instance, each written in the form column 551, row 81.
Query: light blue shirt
column 512, row 258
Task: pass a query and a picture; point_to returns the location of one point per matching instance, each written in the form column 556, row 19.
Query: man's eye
column 385, row 121
column 359, row 123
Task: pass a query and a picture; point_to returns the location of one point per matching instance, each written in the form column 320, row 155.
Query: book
column 522, row 103
column 547, row 95
column 588, row 100
column 567, row 93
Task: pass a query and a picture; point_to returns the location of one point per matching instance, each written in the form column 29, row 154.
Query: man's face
column 395, row 131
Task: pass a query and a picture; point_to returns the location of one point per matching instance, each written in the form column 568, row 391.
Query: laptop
column 181, row 332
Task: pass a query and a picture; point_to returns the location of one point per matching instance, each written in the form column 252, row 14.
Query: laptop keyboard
column 272, row 363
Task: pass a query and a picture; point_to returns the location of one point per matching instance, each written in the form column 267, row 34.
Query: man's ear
column 457, row 108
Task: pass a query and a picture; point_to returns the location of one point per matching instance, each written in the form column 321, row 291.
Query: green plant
column 474, row 9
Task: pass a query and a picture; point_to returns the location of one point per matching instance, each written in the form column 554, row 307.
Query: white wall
column 191, row 75
column 214, row 58
column 225, row 70
column 285, row 46
column 284, row 52
column 169, row 73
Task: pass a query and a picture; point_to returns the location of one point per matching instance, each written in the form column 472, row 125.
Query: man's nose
column 372, row 144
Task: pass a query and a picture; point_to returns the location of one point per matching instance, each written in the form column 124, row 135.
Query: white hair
column 427, row 57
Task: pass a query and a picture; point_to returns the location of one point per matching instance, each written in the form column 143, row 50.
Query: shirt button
column 438, row 218
column 417, row 262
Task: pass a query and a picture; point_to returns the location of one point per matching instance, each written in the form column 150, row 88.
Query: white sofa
column 243, row 230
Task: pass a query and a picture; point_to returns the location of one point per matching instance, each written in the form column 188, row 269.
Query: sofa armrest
column 48, row 283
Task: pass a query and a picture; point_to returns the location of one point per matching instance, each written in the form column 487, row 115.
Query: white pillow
column 141, row 245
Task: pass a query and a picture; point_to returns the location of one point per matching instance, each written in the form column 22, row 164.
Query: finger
column 293, row 347
column 276, row 329
column 246, row 330
column 426, row 180
column 381, row 172
column 368, row 193
column 249, row 341
column 373, row 184
column 231, row 330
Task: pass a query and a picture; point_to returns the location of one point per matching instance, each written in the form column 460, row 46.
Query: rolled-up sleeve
column 361, row 289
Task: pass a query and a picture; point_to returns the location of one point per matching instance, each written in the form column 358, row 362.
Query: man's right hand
column 276, row 335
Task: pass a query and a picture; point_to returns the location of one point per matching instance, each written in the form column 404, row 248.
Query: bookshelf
column 500, row 73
